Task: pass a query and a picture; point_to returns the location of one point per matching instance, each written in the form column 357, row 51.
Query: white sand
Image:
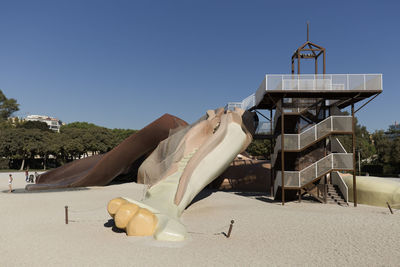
column 33, row 232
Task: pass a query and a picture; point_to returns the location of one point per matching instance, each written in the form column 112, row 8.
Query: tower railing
column 246, row 104
column 319, row 82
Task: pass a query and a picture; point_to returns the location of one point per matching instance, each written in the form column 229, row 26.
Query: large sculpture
column 374, row 191
column 102, row 169
column 178, row 169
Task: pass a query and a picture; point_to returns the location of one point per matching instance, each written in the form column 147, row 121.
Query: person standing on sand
column 26, row 176
column 10, row 179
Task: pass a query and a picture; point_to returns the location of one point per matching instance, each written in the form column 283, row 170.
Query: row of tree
column 26, row 143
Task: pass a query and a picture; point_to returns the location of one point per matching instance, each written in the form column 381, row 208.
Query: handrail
column 337, row 179
column 293, row 82
column 313, row 134
column 333, row 161
column 246, row 104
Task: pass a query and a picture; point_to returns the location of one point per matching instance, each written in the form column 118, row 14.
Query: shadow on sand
column 261, row 196
column 111, row 224
column 23, row 191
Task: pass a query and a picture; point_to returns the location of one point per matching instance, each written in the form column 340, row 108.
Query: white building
column 53, row 123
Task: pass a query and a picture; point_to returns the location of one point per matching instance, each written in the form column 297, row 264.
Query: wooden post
column 300, row 195
column 230, row 229
column 283, row 154
column 66, row 214
column 323, row 59
column 390, row 208
column 354, row 156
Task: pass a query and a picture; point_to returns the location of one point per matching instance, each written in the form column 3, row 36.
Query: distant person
column 10, row 180
column 36, row 176
column 31, row 178
column 26, row 176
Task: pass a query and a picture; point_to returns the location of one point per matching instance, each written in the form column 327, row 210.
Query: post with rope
column 390, row 208
column 66, row 214
column 230, row 229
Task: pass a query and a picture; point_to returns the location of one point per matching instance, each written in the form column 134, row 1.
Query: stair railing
column 312, row 134
column 333, row 161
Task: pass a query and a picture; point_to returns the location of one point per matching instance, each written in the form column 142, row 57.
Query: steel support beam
column 283, row 156
column 270, row 161
column 354, row 156
column 366, row 103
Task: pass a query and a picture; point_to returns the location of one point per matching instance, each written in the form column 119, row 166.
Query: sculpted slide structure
column 179, row 168
column 100, row 170
column 374, row 191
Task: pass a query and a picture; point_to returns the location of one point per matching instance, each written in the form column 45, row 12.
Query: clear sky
column 122, row 64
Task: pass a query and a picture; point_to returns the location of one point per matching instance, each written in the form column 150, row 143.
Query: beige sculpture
column 374, row 191
column 179, row 168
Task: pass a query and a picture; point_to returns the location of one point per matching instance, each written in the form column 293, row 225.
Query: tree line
column 31, row 144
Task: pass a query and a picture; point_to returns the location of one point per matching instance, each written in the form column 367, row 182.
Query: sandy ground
column 33, row 232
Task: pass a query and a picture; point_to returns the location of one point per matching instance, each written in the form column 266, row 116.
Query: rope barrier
column 216, row 232
column 90, row 210
column 83, row 221
column 78, row 220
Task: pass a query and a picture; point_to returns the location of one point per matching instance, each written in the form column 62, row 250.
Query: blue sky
column 122, row 64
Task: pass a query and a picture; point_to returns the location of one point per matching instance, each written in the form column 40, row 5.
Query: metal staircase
column 312, row 135
column 328, row 164
column 335, row 195
column 308, row 142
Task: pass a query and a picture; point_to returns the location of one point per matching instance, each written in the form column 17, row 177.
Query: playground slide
column 374, row 191
column 100, row 170
column 179, row 168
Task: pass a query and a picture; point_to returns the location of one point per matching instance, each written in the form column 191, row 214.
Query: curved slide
column 179, row 168
column 374, row 191
column 100, row 170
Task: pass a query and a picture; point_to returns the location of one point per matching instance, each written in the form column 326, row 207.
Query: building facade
column 53, row 123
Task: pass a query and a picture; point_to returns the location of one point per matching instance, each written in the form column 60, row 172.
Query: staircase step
column 334, row 195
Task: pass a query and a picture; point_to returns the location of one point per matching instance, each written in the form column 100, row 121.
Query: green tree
column 120, row 135
column 34, row 125
column 364, row 144
column 7, row 106
column 395, row 156
column 259, row 148
column 73, row 145
column 383, row 147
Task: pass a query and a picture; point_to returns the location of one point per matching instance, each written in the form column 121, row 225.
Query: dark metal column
column 316, row 65
column 298, row 62
column 271, row 178
column 354, row 156
column 283, row 155
column 292, row 65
